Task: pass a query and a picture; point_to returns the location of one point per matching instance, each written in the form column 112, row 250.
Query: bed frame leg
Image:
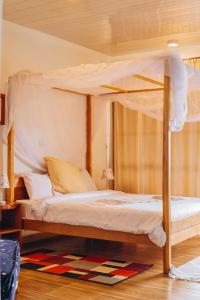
column 167, row 258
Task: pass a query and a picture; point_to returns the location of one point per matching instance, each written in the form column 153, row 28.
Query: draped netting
column 45, row 123
column 51, row 121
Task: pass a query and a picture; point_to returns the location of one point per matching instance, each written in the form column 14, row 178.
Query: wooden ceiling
column 112, row 27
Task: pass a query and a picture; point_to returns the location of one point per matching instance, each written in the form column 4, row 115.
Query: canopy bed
column 164, row 85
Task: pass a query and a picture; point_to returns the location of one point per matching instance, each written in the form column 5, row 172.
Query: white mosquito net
column 52, row 121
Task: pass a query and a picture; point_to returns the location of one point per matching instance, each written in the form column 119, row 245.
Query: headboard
column 20, row 191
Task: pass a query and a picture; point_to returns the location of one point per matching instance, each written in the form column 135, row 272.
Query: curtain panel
column 138, row 153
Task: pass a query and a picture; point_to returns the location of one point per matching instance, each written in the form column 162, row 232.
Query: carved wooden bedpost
column 89, row 135
column 166, row 173
column 10, row 167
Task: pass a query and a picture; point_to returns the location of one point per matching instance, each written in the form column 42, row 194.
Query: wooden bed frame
column 175, row 233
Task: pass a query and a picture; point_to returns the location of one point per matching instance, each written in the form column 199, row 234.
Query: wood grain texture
column 181, row 230
column 148, row 79
column 89, row 135
column 3, row 109
column 166, row 175
column 134, row 91
column 150, row 285
column 138, row 155
column 10, row 167
column 114, row 88
column 188, row 222
column 20, row 191
column 69, row 91
column 184, row 234
column 113, row 27
column 85, row 231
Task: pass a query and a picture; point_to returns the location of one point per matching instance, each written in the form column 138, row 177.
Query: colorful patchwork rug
column 88, row 268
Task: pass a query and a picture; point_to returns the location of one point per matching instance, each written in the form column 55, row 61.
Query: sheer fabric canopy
column 48, row 119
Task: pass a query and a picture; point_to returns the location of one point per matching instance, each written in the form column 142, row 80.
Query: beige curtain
column 138, row 153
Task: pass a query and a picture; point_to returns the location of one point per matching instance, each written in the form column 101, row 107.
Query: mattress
column 111, row 210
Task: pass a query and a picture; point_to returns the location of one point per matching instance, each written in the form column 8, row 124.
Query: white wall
column 27, row 49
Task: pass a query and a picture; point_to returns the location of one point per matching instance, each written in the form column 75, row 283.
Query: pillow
column 88, row 181
column 38, row 185
column 65, row 177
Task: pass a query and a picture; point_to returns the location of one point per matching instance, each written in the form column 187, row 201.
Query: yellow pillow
column 65, row 177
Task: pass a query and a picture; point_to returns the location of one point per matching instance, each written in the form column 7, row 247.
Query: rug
column 189, row 271
column 88, row 268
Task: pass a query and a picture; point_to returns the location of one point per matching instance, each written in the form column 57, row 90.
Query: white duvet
column 111, row 210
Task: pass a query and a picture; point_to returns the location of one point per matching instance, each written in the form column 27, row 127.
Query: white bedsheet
column 111, row 210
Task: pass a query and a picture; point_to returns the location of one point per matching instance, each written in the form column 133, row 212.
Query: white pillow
column 91, row 186
column 38, row 186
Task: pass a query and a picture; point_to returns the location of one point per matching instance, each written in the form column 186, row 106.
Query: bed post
column 89, row 135
column 166, row 173
column 10, row 167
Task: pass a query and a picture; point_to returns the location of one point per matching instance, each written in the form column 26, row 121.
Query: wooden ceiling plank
column 122, row 27
column 20, row 5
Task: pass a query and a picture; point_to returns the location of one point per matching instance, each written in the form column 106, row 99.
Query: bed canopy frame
column 17, row 189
